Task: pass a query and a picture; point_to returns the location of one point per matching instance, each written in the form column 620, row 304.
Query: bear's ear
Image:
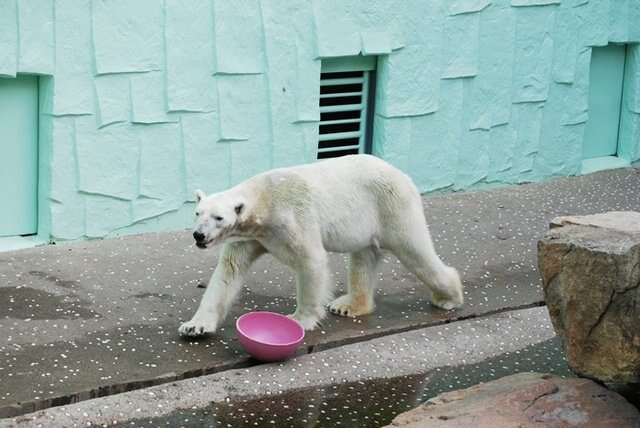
column 239, row 208
column 199, row 195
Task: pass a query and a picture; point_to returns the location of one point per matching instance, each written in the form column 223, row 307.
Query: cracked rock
column 525, row 400
column 590, row 268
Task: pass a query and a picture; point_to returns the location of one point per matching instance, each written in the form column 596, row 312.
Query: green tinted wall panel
column 605, row 96
column 18, row 155
column 144, row 101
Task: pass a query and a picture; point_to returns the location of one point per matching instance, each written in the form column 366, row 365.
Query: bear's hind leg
column 416, row 252
column 359, row 298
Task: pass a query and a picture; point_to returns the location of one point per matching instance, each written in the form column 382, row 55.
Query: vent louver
column 343, row 105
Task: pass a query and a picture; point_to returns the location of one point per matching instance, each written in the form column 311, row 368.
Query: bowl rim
column 293, row 342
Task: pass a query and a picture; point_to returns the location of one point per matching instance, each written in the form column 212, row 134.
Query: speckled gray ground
column 94, row 318
column 369, row 381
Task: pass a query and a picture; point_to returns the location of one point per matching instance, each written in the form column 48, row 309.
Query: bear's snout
column 198, row 236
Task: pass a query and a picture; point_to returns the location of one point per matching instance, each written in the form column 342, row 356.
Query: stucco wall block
column 576, row 105
column 392, row 140
column 63, row 185
column 594, row 18
column 73, row 83
column 376, row 43
column 336, row 29
column 456, row 7
column 189, row 50
column 293, row 72
column 289, row 84
column 409, row 83
column 113, row 99
column 148, row 101
column 489, row 103
column 633, row 18
column 144, row 209
column 501, row 160
column 8, row 38
column 127, row 35
column 68, row 219
column 629, row 147
column 533, row 53
column 430, row 154
column 624, row 20
column 180, row 218
column 557, row 151
column 310, row 134
column 115, row 214
column 207, row 163
column 306, row 86
column 528, row 117
column 239, row 44
column 566, row 45
column 473, row 158
column 64, row 204
column 99, row 150
column 533, row 2
column 73, row 94
column 249, row 158
column 460, row 46
column 632, row 82
column 629, row 131
column 73, row 36
column 435, row 138
column 409, row 78
column 161, row 162
column 244, row 107
column 289, row 147
column 36, row 46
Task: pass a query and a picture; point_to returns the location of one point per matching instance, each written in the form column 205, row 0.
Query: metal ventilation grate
column 343, row 113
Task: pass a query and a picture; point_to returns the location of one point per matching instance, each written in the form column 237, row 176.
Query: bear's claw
column 337, row 311
column 344, row 307
column 193, row 328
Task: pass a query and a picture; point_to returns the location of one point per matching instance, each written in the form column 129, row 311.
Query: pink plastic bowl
column 269, row 336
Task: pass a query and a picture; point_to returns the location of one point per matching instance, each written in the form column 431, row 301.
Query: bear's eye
column 197, row 213
column 217, row 218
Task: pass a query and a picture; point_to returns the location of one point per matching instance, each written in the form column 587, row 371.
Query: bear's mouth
column 203, row 244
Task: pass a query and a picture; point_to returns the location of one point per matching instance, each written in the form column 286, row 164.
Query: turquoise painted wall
column 143, row 101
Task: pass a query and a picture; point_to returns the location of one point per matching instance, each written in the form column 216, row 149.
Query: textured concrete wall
column 145, row 100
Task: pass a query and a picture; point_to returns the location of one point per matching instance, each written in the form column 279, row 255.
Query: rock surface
column 591, row 279
column 525, row 400
column 622, row 221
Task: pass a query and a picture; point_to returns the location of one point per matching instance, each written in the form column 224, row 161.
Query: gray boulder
column 525, row 400
column 590, row 268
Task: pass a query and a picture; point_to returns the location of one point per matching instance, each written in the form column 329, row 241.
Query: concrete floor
column 369, row 381
column 89, row 319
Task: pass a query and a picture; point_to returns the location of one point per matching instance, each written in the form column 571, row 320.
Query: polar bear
column 356, row 204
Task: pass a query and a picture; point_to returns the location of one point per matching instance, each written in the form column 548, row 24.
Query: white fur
column 353, row 204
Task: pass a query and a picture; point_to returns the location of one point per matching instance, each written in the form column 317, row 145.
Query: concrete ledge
column 421, row 351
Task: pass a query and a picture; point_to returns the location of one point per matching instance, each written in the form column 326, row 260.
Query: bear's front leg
column 235, row 260
column 312, row 290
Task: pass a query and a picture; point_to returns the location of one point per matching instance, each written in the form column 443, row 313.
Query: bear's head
column 217, row 217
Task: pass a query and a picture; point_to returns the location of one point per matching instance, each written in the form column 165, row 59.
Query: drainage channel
column 364, row 404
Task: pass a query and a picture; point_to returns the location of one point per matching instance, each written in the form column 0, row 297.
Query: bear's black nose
column 198, row 236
